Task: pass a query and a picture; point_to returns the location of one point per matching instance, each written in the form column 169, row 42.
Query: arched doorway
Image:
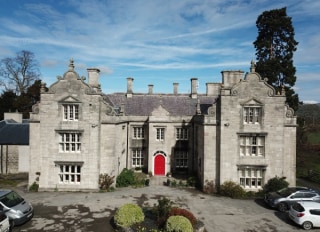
column 159, row 164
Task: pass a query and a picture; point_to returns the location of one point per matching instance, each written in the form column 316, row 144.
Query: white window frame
column 70, row 112
column 182, row 133
column 138, row 132
column 70, row 142
column 181, row 159
column 137, row 157
column 69, row 174
column 160, row 134
column 252, row 114
column 252, row 145
column 251, row 177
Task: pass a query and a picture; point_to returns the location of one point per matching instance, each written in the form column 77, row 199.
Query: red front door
column 159, row 165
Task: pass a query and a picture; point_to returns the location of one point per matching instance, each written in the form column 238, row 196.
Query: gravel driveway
column 61, row 211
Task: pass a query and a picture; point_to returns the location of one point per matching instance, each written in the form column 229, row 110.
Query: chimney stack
column 175, row 88
column 230, row 78
column 194, row 87
column 150, row 87
column 93, row 76
column 129, row 87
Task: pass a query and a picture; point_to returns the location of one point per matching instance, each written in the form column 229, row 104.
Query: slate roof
column 14, row 133
column 144, row 104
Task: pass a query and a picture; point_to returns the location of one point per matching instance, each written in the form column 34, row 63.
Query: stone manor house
column 239, row 130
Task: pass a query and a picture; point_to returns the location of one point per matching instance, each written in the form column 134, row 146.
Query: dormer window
column 70, row 112
column 252, row 114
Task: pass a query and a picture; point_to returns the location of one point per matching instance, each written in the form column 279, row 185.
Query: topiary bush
column 128, row 215
column 274, row 184
column 175, row 211
column 178, row 224
column 125, row 178
column 232, row 189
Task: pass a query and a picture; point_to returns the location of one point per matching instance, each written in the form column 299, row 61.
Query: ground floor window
column 251, row 177
column 181, row 158
column 70, row 174
column 137, row 158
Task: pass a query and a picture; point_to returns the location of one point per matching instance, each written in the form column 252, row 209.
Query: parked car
column 4, row 223
column 284, row 198
column 15, row 207
column 305, row 214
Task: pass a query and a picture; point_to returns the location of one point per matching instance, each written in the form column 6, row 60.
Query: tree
column 7, row 103
column 25, row 101
column 19, row 72
column 275, row 46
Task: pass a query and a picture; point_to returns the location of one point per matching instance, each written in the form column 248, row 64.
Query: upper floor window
column 70, row 142
column 71, row 112
column 182, row 133
column 138, row 132
column 252, row 115
column 252, row 145
column 160, row 134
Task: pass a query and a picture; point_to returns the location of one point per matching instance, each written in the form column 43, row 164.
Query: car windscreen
column 11, row 199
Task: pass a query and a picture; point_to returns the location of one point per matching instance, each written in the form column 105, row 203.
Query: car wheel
column 282, row 207
column 307, row 225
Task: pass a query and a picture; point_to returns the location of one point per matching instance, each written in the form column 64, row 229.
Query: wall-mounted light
column 227, row 124
column 94, row 125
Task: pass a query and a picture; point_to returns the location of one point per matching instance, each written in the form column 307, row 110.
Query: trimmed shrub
column 232, row 189
column 128, row 215
column 125, row 178
column 178, row 224
column 175, row 211
column 274, row 184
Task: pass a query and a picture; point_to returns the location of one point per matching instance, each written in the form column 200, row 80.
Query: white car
column 4, row 223
column 305, row 214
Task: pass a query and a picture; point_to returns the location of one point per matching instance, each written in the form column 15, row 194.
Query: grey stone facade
column 239, row 130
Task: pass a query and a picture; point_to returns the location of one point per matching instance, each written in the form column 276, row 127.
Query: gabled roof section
column 69, row 99
column 145, row 104
column 14, row 133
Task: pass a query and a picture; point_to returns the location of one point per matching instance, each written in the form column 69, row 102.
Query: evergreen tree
column 275, row 46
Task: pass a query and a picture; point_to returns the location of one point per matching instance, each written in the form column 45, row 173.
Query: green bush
column 128, row 215
column 178, row 224
column 175, row 211
column 274, row 184
column 232, row 189
column 125, row 178
column 34, row 187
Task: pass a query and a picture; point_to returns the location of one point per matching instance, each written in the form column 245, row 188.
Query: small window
column 182, row 133
column 70, row 112
column 138, row 132
column 160, row 134
column 252, row 115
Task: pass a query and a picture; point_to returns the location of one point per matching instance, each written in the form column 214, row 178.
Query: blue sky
column 156, row 42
